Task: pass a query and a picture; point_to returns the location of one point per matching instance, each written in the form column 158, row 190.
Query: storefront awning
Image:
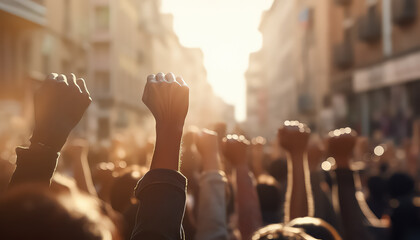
column 391, row 72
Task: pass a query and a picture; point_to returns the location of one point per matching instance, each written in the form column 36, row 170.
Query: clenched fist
column 293, row 136
column 59, row 105
column 235, row 148
column 207, row 145
column 341, row 144
column 167, row 98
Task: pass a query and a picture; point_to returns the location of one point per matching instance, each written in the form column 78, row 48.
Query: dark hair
column 280, row 232
column 269, row 197
column 122, row 190
column 377, row 187
column 316, row 227
column 400, row 184
column 35, row 212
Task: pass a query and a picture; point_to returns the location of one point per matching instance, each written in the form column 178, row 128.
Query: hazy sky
column 226, row 31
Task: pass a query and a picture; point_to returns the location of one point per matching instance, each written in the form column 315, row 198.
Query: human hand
column 235, row 148
column 167, row 98
column 258, row 144
column 59, row 105
column 207, row 145
column 340, row 144
column 293, row 137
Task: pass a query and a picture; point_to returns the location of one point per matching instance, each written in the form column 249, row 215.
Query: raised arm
column 162, row 191
column 341, row 143
column 293, row 137
column 77, row 153
column 236, row 150
column 59, row 105
column 211, row 219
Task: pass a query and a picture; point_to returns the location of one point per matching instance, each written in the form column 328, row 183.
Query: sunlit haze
column 226, row 31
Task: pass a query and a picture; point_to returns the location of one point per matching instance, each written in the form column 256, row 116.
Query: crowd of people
column 300, row 186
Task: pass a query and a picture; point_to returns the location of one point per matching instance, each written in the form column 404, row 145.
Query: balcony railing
column 343, row 55
column 404, row 11
column 369, row 28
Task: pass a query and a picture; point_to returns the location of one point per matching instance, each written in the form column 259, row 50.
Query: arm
column 162, row 191
column 293, row 137
column 322, row 204
column 340, row 146
column 250, row 217
column 59, row 106
column 77, row 153
column 211, row 219
column 258, row 155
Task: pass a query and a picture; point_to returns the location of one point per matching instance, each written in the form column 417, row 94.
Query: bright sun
column 227, row 32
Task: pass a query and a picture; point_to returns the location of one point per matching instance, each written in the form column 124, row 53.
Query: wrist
column 211, row 163
column 54, row 141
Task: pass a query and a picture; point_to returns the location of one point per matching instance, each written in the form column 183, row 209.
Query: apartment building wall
column 376, row 69
column 289, row 76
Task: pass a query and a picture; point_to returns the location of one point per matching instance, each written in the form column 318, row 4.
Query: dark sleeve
column 162, row 196
column 323, row 206
column 34, row 165
column 355, row 224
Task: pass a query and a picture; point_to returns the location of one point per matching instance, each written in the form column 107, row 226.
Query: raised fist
column 167, row 98
column 59, row 105
column 341, row 144
column 207, row 145
column 293, row 136
column 235, row 149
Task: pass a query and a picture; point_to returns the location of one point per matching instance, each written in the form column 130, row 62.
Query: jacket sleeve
column 162, row 195
column 34, row 165
column 211, row 220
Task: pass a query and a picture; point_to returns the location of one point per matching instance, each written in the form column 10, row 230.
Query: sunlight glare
column 227, row 32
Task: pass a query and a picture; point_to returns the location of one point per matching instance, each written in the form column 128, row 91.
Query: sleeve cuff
column 161, row 176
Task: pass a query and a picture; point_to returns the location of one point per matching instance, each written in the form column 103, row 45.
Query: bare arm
column 211, row 220
column 250, row 217
column 162, row 191
column 293, row 137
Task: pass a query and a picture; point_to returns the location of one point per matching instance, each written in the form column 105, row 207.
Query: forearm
column 166, row 154
column 83, row 176
column 34, row 165
column 211, row 220
column 297, row 197
column 250, row 217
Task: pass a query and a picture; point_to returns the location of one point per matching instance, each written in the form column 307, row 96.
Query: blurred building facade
column 33, row 42
column 288, row 78
column 114, row 45
column 376, row 64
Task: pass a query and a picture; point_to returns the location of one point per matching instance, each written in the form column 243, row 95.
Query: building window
column 102, row 17
column 103, row 128
column 102, row 82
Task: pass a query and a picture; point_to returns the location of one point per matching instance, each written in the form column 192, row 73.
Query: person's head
column 122, row 189
column 400, row 184
column 377, row 187
column 269, row 196
column 35, row 212
column 278, row 169
column 280, row 232
column 316, row 228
